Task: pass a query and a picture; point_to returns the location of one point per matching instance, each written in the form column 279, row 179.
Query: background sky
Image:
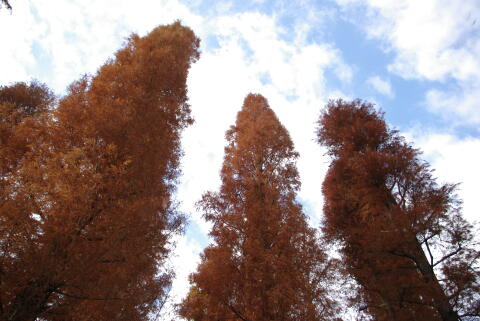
column 419, row 61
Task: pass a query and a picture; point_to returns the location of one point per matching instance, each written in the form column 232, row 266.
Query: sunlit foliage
column 86, row 212
column 265, row 262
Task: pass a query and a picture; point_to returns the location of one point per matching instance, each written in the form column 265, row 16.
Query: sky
column 418, row 61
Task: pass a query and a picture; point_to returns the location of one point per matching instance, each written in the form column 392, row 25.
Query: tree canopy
column 87, row 212
column 402, row 235
column 265, row 262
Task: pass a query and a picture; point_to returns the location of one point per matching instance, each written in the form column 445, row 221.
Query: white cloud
column 184, row 261
column 454, row 160
column 464, row 102
column 381, row 85
column 76, row 37
column 435, row 40
column 251, row 48
column 16, row 56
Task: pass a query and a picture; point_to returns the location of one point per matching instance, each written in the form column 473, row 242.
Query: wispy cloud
column 56, row 42
column 381, row 85
column 455, row 160
column 434, row 40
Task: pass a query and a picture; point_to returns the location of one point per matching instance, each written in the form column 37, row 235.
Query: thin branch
column 429, row 253
column 237, row 313
column 425, row 239
column 79, row 297
column 160, row 307
column 5, row 2
column 448, row 256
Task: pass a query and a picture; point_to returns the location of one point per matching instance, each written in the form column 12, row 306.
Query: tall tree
column 86, row 212
column 265, row 263
column 402, row 235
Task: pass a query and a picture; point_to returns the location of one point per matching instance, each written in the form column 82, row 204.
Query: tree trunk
column 439, row 299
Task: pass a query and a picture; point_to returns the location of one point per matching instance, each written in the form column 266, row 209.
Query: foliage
column 265, row 263
column 402, row 236
column 86, row 212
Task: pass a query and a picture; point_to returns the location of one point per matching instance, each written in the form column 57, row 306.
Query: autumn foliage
column 401, row 234
column 86, row 184
column 87, row 210
column 265, row 262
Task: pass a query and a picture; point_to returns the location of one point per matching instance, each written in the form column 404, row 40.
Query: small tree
column 402, row 235
column 265, row 263
column 86, row 216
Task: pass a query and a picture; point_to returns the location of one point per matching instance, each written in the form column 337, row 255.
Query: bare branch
column 448, row 256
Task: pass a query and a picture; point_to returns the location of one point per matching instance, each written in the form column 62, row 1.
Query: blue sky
column 419, row 61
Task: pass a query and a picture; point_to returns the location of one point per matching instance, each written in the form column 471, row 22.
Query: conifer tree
column 265, row 262
column 402, row 235
column 86, row 212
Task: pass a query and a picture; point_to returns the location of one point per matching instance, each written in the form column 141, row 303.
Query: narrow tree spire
column 265, row 262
